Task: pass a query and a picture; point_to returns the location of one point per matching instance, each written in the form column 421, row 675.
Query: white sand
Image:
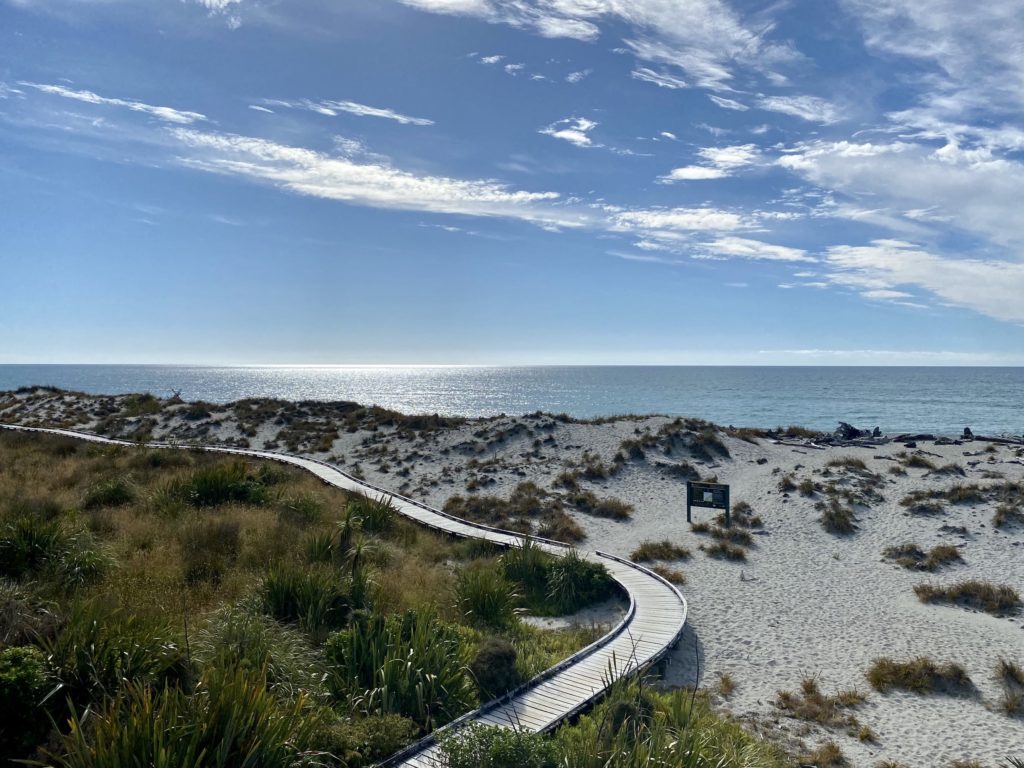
column 806, row 603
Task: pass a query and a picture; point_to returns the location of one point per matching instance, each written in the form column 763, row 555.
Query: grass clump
column 1007, row 515
column 115, row 492
column 837, row 519
column 847, row 462
column 912, row 557
column 810, row 704
column 825, row 756
column 919, row 675
column 485, row 597
column 914, row 461
column 723, row 550
column 1011, row 679
column 494, row 668
column 482, row 746
column 313, row 598
column 998, row 600
column 671, row 575
column 649, row 551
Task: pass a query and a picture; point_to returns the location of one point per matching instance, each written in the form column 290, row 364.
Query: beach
column 800, row 601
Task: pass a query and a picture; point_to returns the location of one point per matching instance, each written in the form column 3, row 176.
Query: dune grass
column 996, row 599
column 919, row 675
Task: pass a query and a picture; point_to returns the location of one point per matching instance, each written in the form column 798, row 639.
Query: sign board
column 710, row 495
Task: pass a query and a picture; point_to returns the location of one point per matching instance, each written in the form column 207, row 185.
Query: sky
column 512, row 182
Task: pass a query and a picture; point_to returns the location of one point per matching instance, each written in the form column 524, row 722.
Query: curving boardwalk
column 652, row 625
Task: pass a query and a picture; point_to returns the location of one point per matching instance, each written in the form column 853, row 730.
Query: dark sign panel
column 710, row 495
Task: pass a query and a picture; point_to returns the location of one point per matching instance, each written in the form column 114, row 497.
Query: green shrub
column 494, row 668
column 209, row 548
column 363, row 741
column 115, row 492
column 484, row 597
column 42, row 508
column 481, row 746
column 231, row 721
column 314, row 598
column 34, row 547
column 376, row 515
column 223, row 483
column 575, row 582
column 527, row 565
column 24, row 616
column 238, row 637
column 320, row 548
column 412, row 665
column 100, row 649
column 24, row 682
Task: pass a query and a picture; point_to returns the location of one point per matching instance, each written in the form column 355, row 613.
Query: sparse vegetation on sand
column 809, row 703
column 912, row 557
column 1011, row 679
column 919, row 675
column 649, row 551
column 996, row 599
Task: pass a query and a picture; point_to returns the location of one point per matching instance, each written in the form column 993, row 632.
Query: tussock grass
column 847, row 462
column 723, row 550
column 810, row 704
column 649, row 551
column 825, row 756
column 1011, row 679
column 996, row 599
column 912, row 557
column 919, row 675
column 837, row 519
column 671, row 575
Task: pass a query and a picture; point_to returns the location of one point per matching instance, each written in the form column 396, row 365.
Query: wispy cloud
column 343, row 178
column 810, row 108
column 167, row 114
column 575, row 77
column 332, row 108
column 660, row 79
column 719, row 162
column 725, row 103
column 732, row 247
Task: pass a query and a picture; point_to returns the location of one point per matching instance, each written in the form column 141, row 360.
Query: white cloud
column 514, row 69
column 668, row 135
column 491, row 59
column 728, row 103
column 575, row 77
column 810, row 108
column 693, row 173
column 666, row 222
column 331, row 108
column 720, row 162
column 372, row 183
column 167, row 114
column 258, row 108
column 743, row 248
column 992, row 288
column 575, row 130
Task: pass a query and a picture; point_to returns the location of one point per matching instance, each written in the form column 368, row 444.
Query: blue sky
column 512, row 181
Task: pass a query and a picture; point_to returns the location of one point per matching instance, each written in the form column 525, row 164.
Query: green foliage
column 494, row 668
column 314, row 598
column 412, row 665
column 481, row 746
column 574, row 582
column 221, row 483
column 484, row 597
column 238, row 637
column 24, row 616
column 113, row 492
column 231, row 721
column 363, row 741
column 375, row 515
column 302, row 510
column 101, row 648
column 209, row 548
column 33, row 546
column 24, row 682
column 527, row 565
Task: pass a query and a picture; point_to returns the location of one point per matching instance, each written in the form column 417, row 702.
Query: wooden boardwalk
column 652, row 625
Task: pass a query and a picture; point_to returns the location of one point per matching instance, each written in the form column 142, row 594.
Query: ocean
column 935, row 399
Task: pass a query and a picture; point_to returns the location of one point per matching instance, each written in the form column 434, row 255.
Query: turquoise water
column 944, row 400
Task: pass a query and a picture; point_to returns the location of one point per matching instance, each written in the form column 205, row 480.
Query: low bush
column 24, row 682
column 485, row 597
column 412, row 664
column 314, row 598
column 980, row 595
column 482, row 746
column 364, row 741
column 375, row 515
column 494, row 668
column 302, row 510
column 34, row 547
column 575, row 582
column 221, row 484
column 649, row 551
column 919, row 675
column 115, row 492
column 231, row 720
